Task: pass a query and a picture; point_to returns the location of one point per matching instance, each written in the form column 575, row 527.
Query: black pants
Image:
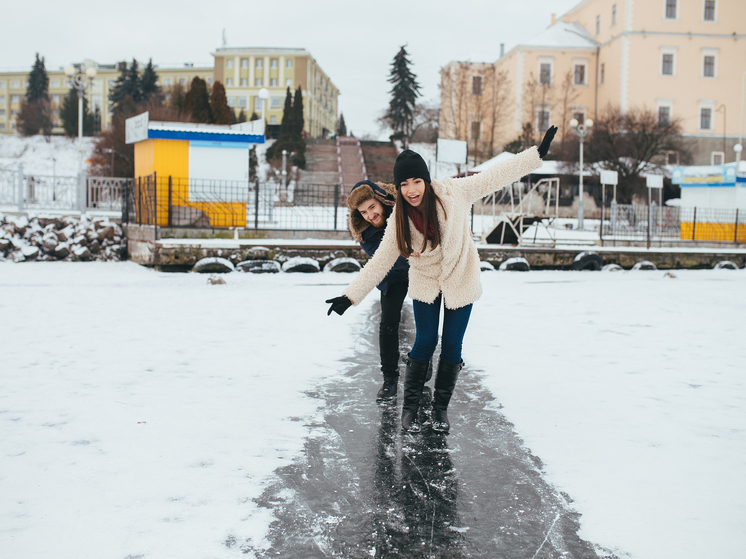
column 388, row 334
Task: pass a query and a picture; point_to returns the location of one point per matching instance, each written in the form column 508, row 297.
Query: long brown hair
column 429, row 216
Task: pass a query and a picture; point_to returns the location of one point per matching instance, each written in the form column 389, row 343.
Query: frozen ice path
column 362, row 488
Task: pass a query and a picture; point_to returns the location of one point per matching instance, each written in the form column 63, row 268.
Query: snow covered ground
column 143, row 412
column 59, row 156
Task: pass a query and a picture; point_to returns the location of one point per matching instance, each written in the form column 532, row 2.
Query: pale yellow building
column 243, row 72
column 681, row 58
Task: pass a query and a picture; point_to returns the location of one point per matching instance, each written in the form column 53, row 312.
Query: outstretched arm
column 507, row 172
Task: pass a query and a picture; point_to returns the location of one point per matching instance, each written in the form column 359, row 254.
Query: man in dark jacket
column 370, row 207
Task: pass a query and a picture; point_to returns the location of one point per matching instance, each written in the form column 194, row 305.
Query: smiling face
column 412, row 190
column 372, row 212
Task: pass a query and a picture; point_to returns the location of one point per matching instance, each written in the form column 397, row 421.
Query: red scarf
column 419, row 224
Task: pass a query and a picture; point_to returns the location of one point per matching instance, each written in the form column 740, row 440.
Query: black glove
column 339, row 305
column 546, row 142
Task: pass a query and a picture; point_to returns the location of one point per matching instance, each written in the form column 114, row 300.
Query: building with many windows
column 683, row 59
column 243, row 72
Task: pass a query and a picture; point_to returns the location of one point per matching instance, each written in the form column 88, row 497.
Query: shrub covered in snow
column 60, row 238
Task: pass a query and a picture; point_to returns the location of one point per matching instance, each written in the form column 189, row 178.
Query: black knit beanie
column 410, row 165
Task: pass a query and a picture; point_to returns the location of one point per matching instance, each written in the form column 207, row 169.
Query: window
column 542, row 120
column 231, row 101
column 289, row 82
column 598, row 25
column 709, row 14
column 545, row 73
column 671, row 9
column 257, row 82
column 241, row 101
column 580, row 74
column 2, row 112
column 229, row 82
column 2, row 84
column 210, row 81
column 708, row 71
column 273, row 119
column 717, row 158
column 2, row 126
column 475, row 126
column 667, row 64
column 244, row 63
column 257, row 104
column 705, row 118
column 272, row 82
column 244, row 82
column 613, row 15
column 14, row 113
column 273, row 63
column 603, row 72
column 289, row 63
column 182, row 81
column 55, row 98
column 229, row 63
column 672, row 158
column 15, row 98
column 167, row 81
column 664, row 116
column 55, row 83
column 2, row 99
column 275, row 102
column 476, row 85
column 259, row 63
column 15, row 84
column 579, row 116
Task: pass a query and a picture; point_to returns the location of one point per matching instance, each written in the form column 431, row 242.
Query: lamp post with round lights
column 581, row 129
column 80, row 81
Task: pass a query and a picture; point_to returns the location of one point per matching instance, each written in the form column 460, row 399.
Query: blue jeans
column 427, row 320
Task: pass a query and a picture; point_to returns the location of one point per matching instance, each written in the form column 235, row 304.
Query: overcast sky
column 354, row 42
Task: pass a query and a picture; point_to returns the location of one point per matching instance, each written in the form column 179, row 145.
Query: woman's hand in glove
column 546, row 142
column 339, row 305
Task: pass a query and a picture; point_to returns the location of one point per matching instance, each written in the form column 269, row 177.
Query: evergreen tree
column 127, row 84
column 219, row 109
column 404, row 93
column 253, row 162
column 254, row 116
column 33, row 117
column 197, row 101
column 298, row 122
column 241, row 116
column 38, row 82
column 69, row 115
column 149, row 82
column 341, row 126
column 286, row 125
column 117, row 93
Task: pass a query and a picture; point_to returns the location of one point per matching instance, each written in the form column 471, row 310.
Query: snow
column 142, row 412
column 36, row 154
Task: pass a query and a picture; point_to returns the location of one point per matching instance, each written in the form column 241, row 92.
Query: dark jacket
column 370, row 236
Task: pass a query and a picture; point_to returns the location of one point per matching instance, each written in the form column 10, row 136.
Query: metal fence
column 655, row 223
column 54, row 192
column 169, row 201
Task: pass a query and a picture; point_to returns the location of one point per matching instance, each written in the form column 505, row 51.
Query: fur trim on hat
column 362, row 191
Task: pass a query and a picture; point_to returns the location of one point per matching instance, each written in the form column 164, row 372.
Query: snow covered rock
column 644, row 265
column 259, row 266
column 343, row 265
column 30, row 252
column 62, row 250
column 515, row 264
column 4, row 245
column 213, row 265
column 81, row 253
column 257, row 253
column 725, row 265
column 301, row 264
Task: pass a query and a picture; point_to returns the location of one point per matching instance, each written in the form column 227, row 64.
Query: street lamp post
column 264, row 95
column 80, row 81
column 581, row 130
column 724, row 120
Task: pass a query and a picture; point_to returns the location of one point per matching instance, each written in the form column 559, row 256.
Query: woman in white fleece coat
column 444, row 264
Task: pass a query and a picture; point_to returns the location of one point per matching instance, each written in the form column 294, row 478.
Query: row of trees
column 291, row 132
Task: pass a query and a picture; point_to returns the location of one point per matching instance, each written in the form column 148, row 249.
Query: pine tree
column 298, row 122
column 219, row 109
column 341, row 126
column 253, row 162
column 197, row 101
column 254, row 116
column 69, row 115
column 38, row 82
column 404, row 93
column 241, row 116
column 132, row 82
column 148, row 85
column 117, row 93
column 286, row 125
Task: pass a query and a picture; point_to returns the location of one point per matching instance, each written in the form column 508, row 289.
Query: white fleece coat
column 452, row 268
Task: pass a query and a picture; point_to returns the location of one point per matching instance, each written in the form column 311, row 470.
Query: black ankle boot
column 445, row 382
column 414, row 381
column 388, row 390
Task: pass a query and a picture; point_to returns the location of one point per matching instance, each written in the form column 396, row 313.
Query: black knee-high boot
column 414, row 380
column 445, row 382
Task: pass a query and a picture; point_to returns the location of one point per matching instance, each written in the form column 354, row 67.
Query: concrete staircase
column 379, row 160
column 316, row 181
column 351, row 163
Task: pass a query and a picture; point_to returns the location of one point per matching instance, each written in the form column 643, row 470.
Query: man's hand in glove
column 339, row 305
column 546, row 142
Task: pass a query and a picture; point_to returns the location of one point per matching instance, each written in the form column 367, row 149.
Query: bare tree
column 568, row 95
column 537, row 95
column 502, row 104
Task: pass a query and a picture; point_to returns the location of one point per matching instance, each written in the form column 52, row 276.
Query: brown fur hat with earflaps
column 361, row 192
